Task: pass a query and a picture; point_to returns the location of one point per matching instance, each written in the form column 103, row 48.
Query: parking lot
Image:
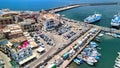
column 40, row 44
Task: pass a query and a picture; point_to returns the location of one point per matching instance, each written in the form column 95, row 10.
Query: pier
column 54, row 10
column 63, row 8
column 111, row 30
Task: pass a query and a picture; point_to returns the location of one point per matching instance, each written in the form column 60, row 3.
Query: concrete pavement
column 6, row 59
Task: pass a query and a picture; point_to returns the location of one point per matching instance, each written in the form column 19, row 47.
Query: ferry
column 93, row 18
column 78, row 61
column 115, row 22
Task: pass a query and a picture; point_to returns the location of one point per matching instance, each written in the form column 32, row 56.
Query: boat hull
column 92, row 22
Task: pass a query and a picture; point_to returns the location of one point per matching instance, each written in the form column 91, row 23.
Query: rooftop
column 27, row 21
column 4, row 18
column 7, row 11
column 18, row 40
column 16, row 47
column 13, row 29
column 48, row 15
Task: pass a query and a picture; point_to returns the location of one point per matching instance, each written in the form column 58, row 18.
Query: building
column 29, row 25
column 5, row 21
column 49, row 21
column 32, row 43
column 48, row 25
column 13, row 31
column 7, row 17
column 20, row 53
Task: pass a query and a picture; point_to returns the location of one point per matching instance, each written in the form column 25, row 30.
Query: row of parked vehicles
column 37, row 39
column 63, row 30
column 69, row 35
column 46, row 39
column 41, row 47
column 68, row 55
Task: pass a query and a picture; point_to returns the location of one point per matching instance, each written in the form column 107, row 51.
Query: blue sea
column 42, row 4
column 110, row 46
column 76, row 13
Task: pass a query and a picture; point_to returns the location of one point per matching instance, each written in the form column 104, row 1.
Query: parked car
column 69, row 35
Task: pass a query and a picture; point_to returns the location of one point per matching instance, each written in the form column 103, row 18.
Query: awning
column 27, row 59
column 40, row 49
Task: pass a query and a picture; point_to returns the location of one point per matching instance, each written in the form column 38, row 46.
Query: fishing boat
column 79, row 56
column 89, row 54
column 78, row 61
column 93, row 44
column 91, row 60
column 97, row 39
column 100, row 35
column 93, row 18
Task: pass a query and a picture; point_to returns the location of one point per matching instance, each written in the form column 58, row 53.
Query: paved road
column 37, row 62
column 5, row 59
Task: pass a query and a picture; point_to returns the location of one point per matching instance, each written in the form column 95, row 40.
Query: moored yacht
column 93, row 18
column 115, row 22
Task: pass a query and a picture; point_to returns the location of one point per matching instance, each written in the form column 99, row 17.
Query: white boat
column 118, row 53
column 108, row 34
column 95, row 53
column 100, row 35
column 117, row 61
column 117, row 64
column 118, row 58
column 90, row 63
column 115, row 22
column 93, row 18
column 91, row 60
